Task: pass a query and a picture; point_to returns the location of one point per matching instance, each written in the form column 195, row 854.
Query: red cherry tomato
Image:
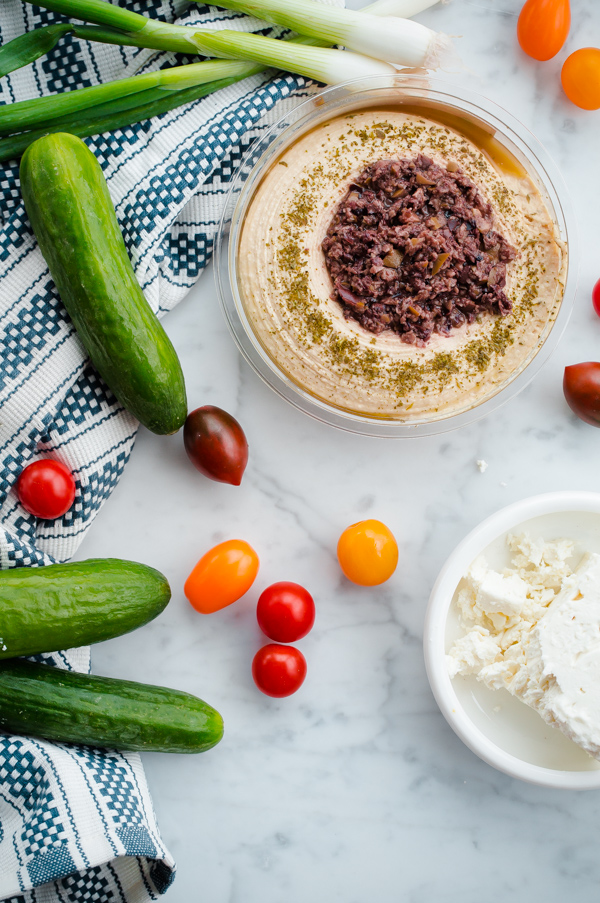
column 596, row 297
column 215, row 444
column 222, row 576
column 285, row 612
column 367, row 553
column 543, row 27
column 46, row 488
column 581, row 386
column 580, row 77
column 278, row 670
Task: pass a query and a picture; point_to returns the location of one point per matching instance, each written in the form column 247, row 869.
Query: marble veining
column 355, row 789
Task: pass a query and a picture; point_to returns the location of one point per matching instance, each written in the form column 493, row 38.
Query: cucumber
column 74, row 221
column 65, row 605
column 100, row 711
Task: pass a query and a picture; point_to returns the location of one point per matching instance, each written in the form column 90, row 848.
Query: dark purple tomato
column 215, row 444
column 581, row 386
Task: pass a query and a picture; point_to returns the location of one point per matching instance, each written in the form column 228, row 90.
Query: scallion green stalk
column 100, row 12
column 29, row 114
column 30, row 46
column 142, row 31
column 108, row 116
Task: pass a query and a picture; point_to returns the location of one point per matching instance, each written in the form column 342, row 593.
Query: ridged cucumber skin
column 74, row 221
column 61, row 606
column 69, row 707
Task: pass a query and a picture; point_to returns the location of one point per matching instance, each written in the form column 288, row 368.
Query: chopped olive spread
column 412, row 248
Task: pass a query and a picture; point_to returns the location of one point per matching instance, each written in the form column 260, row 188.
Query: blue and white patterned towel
column 77, row 824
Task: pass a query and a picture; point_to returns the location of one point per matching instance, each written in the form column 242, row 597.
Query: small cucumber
column 100, row 711
column 65, row 605
column 74, row 221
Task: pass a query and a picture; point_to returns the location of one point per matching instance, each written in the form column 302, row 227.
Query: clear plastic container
column 505, row 139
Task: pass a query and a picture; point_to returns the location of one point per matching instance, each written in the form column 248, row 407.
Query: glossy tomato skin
column 581, row 386
column 222, row 576
column 580, row 77
column 216, row 444
column 285, row 612
column 543, row 27
column 596, row 297
column 46, row 489
column 278, row 671
column 367, row 553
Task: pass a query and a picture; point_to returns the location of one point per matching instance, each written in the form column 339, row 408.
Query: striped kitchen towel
column 76, row 824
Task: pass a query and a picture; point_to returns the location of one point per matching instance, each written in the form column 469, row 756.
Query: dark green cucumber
column 100, row 711
column 68, row 204
column 65, row 605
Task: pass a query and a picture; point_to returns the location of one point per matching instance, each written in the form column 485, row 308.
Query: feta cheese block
column 535, row 630
column 561, row 675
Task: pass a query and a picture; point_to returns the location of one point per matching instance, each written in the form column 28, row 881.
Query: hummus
column 286, row 289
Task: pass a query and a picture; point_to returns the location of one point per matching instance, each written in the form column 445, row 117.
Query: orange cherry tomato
column 367, row 553
column 222, row 576
column 580, row 78
column 543, row 27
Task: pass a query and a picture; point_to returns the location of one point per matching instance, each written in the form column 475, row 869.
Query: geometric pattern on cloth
column 77, row 824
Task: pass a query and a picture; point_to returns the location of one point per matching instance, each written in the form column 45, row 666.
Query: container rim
column 320, row 107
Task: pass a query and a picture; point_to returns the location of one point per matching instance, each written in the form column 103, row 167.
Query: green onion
column 138, row 30
column 101, row 119
column 98, row 11
column 329, row 66
column 91, row 111
column 27, row 114
column 29, row 47
column 399, row 41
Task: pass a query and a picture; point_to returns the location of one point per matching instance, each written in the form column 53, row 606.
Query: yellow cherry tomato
column 580, row 78
column 222, row 576
column 367, row 553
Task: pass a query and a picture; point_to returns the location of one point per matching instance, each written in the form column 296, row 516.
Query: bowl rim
column 434, row 645
column 304, row 116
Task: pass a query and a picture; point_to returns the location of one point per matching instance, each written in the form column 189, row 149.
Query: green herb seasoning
column 312, row 322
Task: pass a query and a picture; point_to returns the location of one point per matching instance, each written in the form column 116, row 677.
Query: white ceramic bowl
column 500, row 729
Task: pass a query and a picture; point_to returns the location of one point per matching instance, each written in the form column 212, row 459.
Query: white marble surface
column 355, row 789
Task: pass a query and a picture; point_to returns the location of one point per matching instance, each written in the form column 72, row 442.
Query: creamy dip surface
column 286, row 289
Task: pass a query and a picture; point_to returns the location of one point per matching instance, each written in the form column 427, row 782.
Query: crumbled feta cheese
column 482, row 465
column 535, row 630
column 472, row 652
